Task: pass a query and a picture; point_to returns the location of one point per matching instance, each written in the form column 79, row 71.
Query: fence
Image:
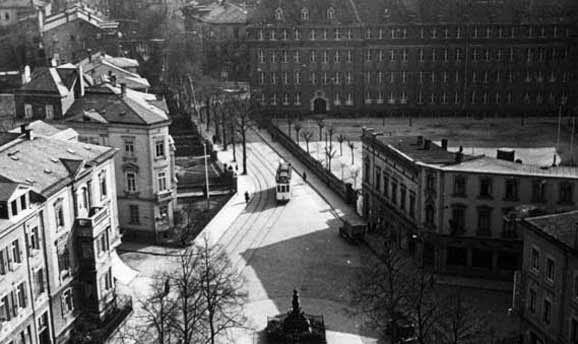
column 344, row 190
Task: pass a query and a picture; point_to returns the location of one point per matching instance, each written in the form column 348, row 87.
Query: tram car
column 283, row 181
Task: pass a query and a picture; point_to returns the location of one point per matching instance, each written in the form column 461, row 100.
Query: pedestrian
column 247, row 197
column 304, row 176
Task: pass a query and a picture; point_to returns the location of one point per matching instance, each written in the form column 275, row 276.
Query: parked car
column 353, row 229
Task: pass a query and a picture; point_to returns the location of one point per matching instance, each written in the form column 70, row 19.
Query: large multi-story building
column 411, row 57
column 114, row 115
column 547, row 293
column 454, row 210
column 218, row 33
column 58, row 230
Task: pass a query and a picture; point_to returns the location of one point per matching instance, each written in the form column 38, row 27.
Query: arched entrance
column 320, row 105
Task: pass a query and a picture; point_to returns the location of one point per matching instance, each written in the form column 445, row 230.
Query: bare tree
column 321, row 125
column 298, row 126
column 459, row 323
column 307, row 136
column 330, row 153
column 341, row 138
column 384, row 287
column 352, row 147
column 241, row 111
column 423, row 303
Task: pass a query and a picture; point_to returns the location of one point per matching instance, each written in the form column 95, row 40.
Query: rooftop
column 560, row 227
column 51, row 80
column 105, row 103
column 421, row 11
column 42, row 162
column 218, row 12
column 408, row 145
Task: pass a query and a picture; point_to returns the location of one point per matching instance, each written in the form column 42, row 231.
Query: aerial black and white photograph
column 288, row 172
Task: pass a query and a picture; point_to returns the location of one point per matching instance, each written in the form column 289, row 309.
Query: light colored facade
column 58, row 231
column 146, row 177
column 547, row 298
column 112, row 114
column 450, row 209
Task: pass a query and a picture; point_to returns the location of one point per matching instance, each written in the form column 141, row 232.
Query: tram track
column 239, row 233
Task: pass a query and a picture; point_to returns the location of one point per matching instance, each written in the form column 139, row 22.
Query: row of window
column 404, row 199
column 511, row 189
column 12, row 302
column 14, row 207
column 402, row 98
column 421, row 55
column 46, row 111
column 421, row 32
column 10, row 257
column 131, row 181
column 159, row 148
column 380, row 77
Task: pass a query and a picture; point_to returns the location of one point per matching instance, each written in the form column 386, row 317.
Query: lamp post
column 206, row 175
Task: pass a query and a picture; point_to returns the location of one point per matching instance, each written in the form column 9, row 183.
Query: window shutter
column 24, row 295
column 2, row 263
column 14, row 303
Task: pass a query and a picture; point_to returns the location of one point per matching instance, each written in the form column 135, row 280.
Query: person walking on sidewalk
column 246, row 197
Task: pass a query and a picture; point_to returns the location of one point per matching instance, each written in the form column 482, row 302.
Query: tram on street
column 283, row 182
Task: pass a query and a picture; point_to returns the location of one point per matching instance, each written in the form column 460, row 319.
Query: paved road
column 279, row 248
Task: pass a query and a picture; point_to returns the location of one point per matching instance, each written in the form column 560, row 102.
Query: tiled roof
column 407, row 145
column 561, row 227
column 106, row 101
column 491, row 165
column 225, row 13
column 47, row 80
column 422, row 11
column 38, row 162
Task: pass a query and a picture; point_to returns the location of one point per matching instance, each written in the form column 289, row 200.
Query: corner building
column 58, row 232
column 415, row 57
column 453, row 211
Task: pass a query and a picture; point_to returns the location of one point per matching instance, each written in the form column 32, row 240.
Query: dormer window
column 304, row 14
column 330, row 13
column 279, row 13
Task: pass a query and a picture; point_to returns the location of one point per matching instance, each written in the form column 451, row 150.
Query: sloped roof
column 48, row 80
column 39, row 161
column 132, row 80
column 491, row 165
column 560, row 227
column 374, row 12
column 106, row 101
column 7, row 189
column 225, row 13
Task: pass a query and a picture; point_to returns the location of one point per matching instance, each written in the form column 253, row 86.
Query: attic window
column 71, row 151
column 54, row 160
column 88, row 148
column 14, row 157
column 330, row 13
column 304, row 14
column 279, row 13
column 122, row 113
column 13, row 153
column 47, row 171
column 29, row 180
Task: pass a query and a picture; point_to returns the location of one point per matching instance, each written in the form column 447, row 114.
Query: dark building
column 410, row 57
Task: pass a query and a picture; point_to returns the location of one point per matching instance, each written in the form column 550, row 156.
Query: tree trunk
column 243, row 130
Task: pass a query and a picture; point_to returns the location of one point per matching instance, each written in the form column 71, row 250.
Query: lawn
column 534, row 139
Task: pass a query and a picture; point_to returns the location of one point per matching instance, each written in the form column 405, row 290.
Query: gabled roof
column 73, row 166
column 7, row 189
column 106, row 103
column 48, row 80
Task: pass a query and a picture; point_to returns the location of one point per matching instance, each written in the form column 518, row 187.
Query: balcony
column 87, row 226
column 164, row 196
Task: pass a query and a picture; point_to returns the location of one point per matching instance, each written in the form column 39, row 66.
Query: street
column 278, row 248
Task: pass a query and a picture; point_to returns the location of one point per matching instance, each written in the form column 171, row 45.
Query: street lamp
column 206, row 175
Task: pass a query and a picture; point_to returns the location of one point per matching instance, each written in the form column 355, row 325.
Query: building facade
column 453, row 211
column 58, row 231
column 113, row 115
column 422, row 57
column 547, row 293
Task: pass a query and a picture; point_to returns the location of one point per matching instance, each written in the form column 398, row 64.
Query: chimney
column 445, row 144
column 26, row 75
column 459, row 157
column 23, row 128
column 420, row 140
column 506, row 155
column 80, row 81
column 427, row 144
column 122, row 89
column 113, row 80
column 461, row 149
